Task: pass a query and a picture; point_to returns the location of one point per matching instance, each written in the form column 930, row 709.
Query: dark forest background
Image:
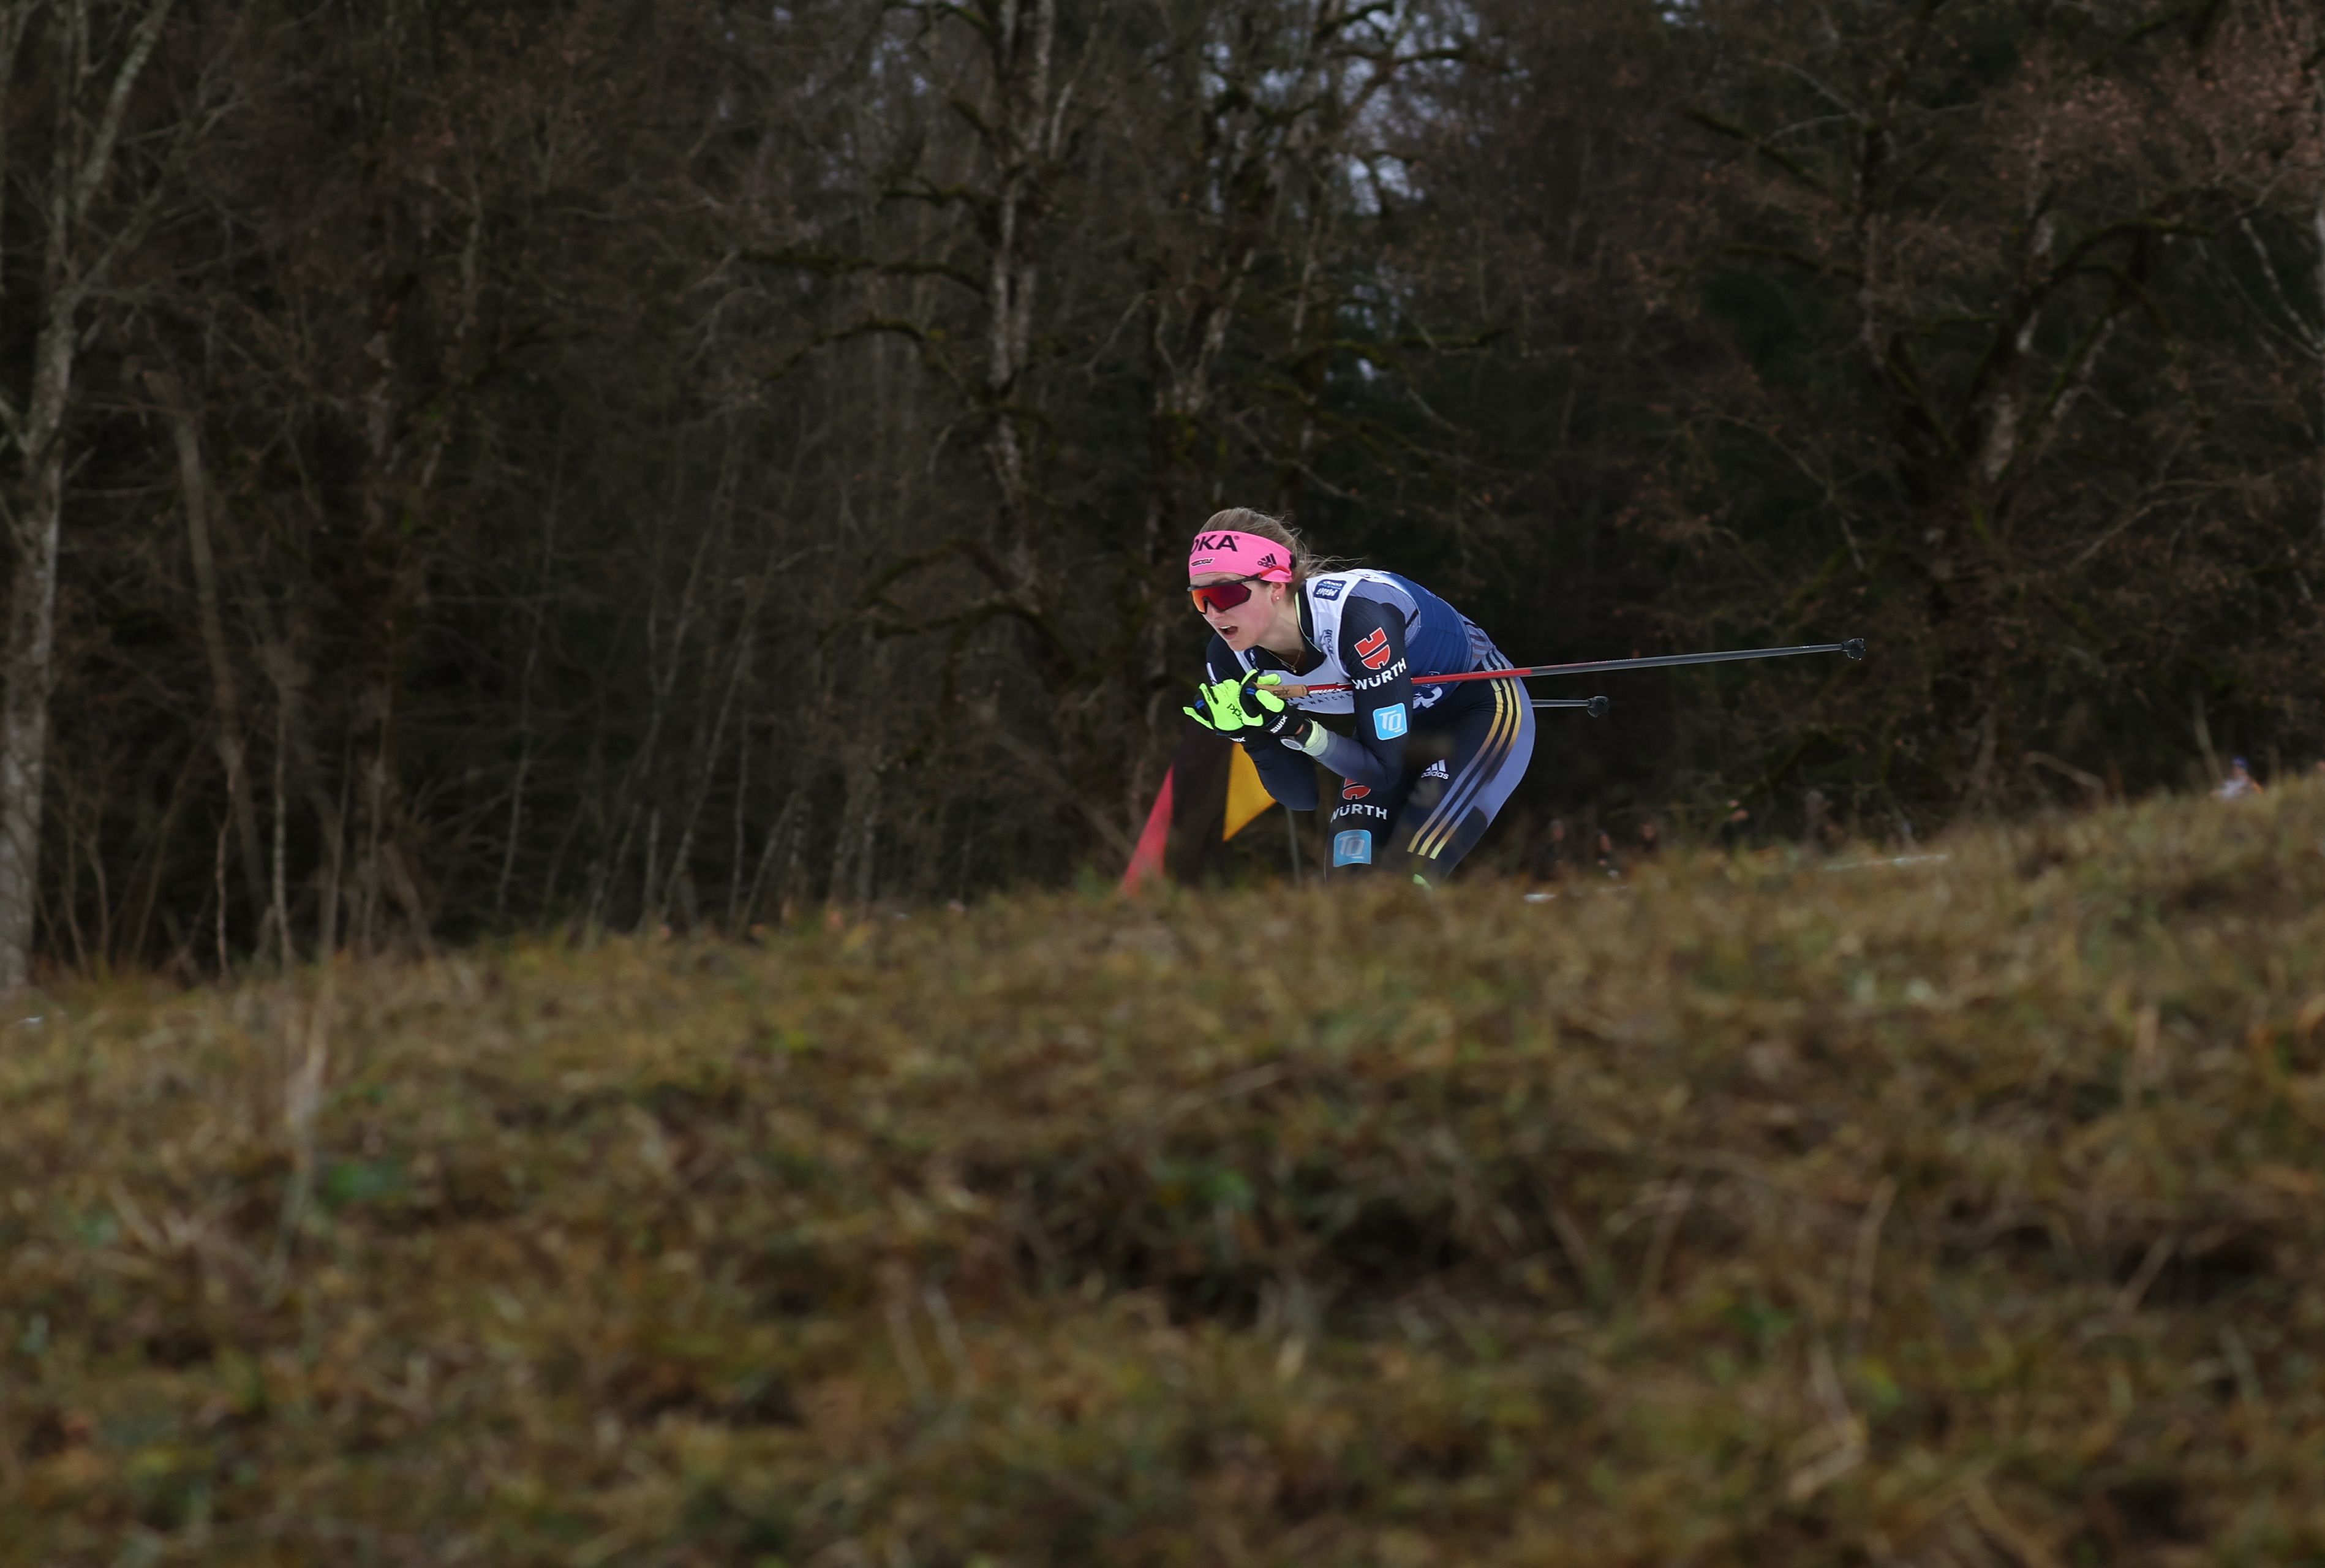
column 471, row 465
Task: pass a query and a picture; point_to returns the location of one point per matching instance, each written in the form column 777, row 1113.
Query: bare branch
column 832, row 263
column 1760, row 145
column 99, row 152
column 14, row 22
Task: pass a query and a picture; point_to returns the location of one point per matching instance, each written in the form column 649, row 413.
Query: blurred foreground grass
column 1959, row 1213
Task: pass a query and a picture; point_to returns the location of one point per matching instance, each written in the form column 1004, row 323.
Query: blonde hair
column 1305, row 563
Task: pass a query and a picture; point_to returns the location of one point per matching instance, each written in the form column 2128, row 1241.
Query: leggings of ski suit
column 1425, row 767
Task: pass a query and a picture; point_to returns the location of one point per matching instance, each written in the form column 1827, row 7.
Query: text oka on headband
column 1245, row 554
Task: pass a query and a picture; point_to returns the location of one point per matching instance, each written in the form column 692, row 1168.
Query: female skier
column 1424, row 766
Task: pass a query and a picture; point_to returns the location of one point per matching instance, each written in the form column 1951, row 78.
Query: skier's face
column 1241, row 626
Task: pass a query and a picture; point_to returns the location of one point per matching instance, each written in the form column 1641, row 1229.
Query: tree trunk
column 1021, row 71
column 25, row 714
column 232, row 749
column 2318, row 223
column 854, row 845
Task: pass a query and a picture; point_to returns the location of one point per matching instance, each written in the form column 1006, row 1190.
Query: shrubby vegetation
column 1760, row 1211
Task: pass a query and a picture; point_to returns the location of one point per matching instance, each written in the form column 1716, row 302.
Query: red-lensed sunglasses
column 1221, row 596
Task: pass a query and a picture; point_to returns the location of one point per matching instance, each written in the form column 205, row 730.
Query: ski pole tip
column 1597, row 707
column 1854, row 647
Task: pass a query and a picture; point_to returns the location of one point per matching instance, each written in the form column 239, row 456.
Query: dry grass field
column 1964, row 1213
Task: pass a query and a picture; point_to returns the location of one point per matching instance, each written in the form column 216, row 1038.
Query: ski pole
column 1594, row 706
column 1854, row 647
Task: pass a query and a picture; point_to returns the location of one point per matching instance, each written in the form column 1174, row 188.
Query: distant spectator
column 2239, row 783
column 1650, row 838
column 1606, row 854
column 1736, row 827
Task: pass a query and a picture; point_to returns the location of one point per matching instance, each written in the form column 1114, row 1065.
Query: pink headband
column 1245, row 554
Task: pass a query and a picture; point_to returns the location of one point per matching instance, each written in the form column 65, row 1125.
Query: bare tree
column 98, row 52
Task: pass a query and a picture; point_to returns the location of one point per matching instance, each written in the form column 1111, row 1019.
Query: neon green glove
column 1221, row 711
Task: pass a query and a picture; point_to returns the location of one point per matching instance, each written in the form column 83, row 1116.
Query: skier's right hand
column 1219, row 708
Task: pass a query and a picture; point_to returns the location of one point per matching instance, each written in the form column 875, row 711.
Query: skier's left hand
column 1269, row 714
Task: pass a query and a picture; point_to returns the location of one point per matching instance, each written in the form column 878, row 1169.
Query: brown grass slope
column 1965, row 1213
